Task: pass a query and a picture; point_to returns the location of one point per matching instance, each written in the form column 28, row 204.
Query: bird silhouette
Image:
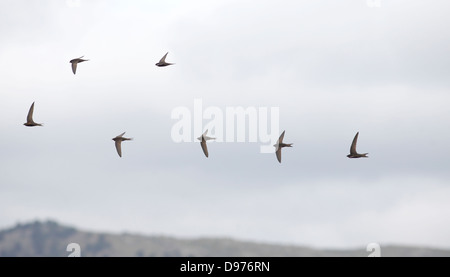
column 118, row 141
column 203, row 140
column 353, row 154
column 75, row 62
column 163, row 62
column 30, row 122
column 279, row 145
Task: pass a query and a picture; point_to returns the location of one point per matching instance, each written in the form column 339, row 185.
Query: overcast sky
column 333, row 68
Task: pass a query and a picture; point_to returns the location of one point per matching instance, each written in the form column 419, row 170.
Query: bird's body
column 118, row 141
column 279, row 145
column 163, row 62
column 203, row 139
column 353, row 154
column 30, row 122
column 75, row 62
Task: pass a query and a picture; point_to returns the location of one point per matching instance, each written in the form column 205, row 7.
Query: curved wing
column 353, row 146
column 278, row 153
column 119, row 147
column 30, row 113
column 280, row 140
column 74, row 67
column 204, row 147
column 121, row 135
column 163, row 59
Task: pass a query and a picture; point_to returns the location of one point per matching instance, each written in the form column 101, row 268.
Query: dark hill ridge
column 49, row 239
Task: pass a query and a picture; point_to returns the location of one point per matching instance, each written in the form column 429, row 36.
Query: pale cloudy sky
column 331, row 67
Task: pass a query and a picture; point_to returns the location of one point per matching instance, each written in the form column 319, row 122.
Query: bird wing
column 280, row 140
column 74, row 67
column 119, row 147
column 163, row 59
column 30, row 113
column 278, row 152
column 204, row 147
column 353, row 147
column 121, row 135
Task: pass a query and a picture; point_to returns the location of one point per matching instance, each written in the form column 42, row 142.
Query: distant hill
column 50, row 239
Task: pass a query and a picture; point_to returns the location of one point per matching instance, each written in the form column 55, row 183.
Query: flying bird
column 353, row 153
column 280, row 145
column 163, row 62
column 30, row 122
column 203, row 140
column 75, row 62
column 118, row 141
